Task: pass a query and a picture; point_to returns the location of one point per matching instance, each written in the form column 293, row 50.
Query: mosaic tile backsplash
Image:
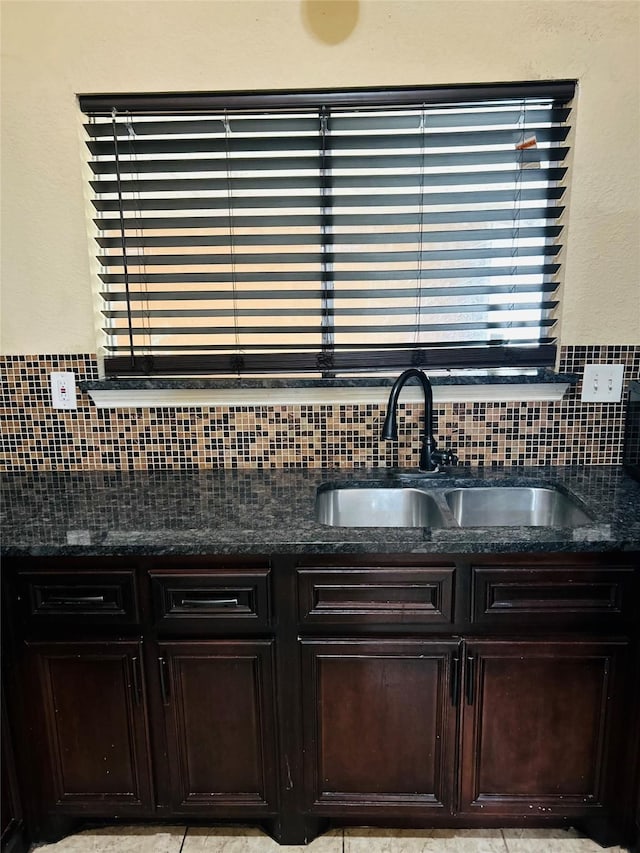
column 37, row 437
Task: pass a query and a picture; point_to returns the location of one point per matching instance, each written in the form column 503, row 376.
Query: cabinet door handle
column 470, row 681
column 135, row 671
column 455, row 680
column 209, row 602
column 164, row 687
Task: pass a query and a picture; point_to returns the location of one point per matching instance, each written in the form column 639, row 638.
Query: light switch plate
column 602, row 383
column 63, row 390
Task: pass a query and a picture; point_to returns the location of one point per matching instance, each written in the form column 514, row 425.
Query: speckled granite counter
column 262, row 512
column 469, row 377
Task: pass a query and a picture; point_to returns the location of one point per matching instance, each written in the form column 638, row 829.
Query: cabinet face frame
column 483, row 659
column 11, row 818
column 119, row 659
column 376, row 659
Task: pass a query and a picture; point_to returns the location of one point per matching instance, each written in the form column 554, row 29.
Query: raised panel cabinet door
column 539, row 727
column 379, row 726
column 92, row 700
column 220, row 723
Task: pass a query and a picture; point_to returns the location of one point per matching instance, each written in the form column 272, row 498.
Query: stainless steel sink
column 510, row 506
column 392, row 507
column 347, row 505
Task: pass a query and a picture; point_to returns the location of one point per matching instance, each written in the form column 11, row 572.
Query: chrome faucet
column 430, row 457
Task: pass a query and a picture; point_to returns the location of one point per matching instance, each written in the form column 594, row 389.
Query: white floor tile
column 366, row 840
column 244, row 840
column 551, row 841
column 177, row 839
column 121, row 839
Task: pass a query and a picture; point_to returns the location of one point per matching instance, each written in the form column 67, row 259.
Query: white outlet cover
column 63, row 390
column 602, row 383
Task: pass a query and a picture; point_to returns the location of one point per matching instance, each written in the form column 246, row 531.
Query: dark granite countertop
column 460, row 377
column 272, row 511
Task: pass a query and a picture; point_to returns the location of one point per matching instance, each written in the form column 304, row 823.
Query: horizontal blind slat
column 399, row 293
column 339, row 219
column 516, row 234
column 307, row 182
column 392, row 256
column 297, row 124
column 140, row 147
column 408, row 328
column 300, row 311
column 338, row 201
column 336, row 162
column 338, row 275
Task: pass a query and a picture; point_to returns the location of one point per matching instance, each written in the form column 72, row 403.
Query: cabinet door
column 538, row 726
column 92, row 700
column 220, row 724
column 379, row 726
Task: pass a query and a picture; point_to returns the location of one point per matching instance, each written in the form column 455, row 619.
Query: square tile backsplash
column 37, row 437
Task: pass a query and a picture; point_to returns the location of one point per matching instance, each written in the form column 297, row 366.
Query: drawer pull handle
column 73, row 600
column 211, row 602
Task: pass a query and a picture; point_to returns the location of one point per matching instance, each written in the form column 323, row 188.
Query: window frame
column 329, row 362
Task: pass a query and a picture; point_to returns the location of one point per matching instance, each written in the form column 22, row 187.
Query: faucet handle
column 444, row 457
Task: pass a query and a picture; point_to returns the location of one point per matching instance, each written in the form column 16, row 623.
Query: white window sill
column 125, row 398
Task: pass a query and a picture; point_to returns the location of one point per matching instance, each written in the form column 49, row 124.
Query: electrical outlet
column 602, row 383
column 63, row 390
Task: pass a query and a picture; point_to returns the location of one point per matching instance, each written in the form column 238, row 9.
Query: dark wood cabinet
column 502, row 696
column 379, row 725
column 298, row 691
column 91, row 703
column 220, row 725
column 138, row 705
column 538, row 726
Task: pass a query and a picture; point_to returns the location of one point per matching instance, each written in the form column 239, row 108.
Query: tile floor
column 178, row 839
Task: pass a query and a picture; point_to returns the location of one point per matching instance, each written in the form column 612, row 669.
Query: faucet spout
column 430, row 457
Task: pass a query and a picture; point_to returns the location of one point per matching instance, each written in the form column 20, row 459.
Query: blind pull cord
column 236, row 359
column 125, row 265
column 327, row 331
column 140, row 254
column 422, row 130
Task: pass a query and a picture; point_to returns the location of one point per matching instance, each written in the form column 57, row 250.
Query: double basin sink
column 435, row 507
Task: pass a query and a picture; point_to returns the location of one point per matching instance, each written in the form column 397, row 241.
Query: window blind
column 329, row 233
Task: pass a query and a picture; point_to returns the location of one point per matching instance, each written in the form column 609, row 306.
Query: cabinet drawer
column 391, row 595
column 79, row 597
column 572, row 595
column 200, row 598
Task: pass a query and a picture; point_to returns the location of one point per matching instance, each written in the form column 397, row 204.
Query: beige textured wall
column 53, row 50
